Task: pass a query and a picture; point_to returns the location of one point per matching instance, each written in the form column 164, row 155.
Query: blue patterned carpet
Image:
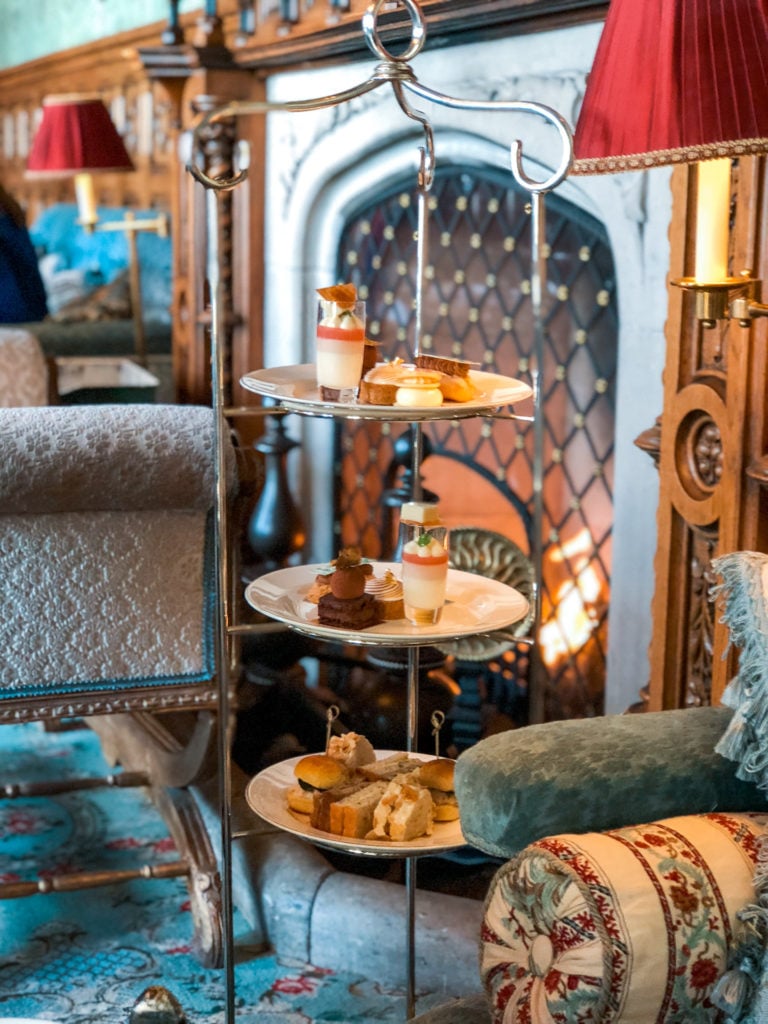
column 85, row 957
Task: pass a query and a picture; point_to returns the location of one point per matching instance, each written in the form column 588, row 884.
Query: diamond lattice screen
column 476, row 305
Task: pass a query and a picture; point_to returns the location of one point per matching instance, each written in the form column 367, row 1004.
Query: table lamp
column 78, row 138
column 676, row 82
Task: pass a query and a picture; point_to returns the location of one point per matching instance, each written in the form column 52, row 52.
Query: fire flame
column 574, row 614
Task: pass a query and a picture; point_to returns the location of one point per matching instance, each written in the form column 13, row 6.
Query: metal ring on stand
column 418, row 32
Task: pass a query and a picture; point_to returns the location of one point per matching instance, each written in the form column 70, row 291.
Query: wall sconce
column 673, row 83
column 77, row 139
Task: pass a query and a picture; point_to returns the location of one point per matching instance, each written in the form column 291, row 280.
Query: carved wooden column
column 712, row 451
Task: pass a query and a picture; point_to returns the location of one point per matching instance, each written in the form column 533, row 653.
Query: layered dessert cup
column 425, row 573
column 340, row 348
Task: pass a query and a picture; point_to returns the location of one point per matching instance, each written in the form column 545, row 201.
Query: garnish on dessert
column 343, row 295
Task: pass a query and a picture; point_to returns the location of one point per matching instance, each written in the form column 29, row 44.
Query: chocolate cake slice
column 347, row 612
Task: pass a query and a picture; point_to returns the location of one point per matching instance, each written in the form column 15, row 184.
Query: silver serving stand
column 397, row 72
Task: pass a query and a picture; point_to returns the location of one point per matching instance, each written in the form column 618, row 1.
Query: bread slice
column 405, row 812
column 322, row 802
column 353, row 815
column 387, row 768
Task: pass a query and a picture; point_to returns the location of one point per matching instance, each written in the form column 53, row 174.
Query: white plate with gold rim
column 265, row 794
column 295, row 387
column 474, row 604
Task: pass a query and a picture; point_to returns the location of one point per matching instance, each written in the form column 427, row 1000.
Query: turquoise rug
column 85, row 957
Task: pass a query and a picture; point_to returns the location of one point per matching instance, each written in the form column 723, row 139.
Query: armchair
column 636, row 854
column 106, row 567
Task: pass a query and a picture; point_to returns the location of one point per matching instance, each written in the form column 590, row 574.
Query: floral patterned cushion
column 631, row 925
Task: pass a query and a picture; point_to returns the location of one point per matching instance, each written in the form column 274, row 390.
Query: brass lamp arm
column 745, row 310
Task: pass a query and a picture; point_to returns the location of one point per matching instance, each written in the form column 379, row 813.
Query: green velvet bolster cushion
column 588, row 775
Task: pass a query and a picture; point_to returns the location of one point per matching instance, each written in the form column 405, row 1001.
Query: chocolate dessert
column 347, row 612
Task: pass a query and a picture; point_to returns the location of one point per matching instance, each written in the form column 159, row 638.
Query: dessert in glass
column 425, row 572
column 340, row 342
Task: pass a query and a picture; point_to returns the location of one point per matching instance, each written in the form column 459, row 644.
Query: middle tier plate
column 296, row 389
column 474, row 604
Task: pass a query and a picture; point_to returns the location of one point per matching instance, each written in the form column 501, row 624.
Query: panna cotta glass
column 425, row 573
column 340, row 346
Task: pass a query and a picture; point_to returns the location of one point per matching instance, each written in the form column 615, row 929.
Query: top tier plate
column 295, row 388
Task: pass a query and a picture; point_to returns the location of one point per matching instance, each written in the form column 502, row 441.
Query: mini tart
column 373, row 393
column 387, row 592
column 419, row 387
column 379, row 385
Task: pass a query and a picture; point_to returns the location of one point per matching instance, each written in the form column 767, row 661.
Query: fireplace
column 329, row 176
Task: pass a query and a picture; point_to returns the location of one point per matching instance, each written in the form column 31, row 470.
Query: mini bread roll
column 445, row 807
column 437, row 774
column 300, row 800
column 318, row 771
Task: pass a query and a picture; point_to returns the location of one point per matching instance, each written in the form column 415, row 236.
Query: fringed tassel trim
column 734, row 993
column 745, row 613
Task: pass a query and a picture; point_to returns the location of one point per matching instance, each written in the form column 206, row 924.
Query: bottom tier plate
column 265, row 795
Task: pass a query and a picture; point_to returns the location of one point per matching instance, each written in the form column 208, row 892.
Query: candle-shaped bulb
column 86, row 199
column 713, row 204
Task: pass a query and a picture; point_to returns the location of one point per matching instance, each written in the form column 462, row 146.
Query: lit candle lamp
column 86, row 199
column 713, row 204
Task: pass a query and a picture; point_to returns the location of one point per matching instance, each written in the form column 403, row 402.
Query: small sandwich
column 352, row 816
column 316, row 773
column 404, row 812
column 389, row 767
column 351, row 749
column 437, row 776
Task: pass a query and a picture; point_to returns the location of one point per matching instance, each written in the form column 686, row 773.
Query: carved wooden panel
column 713, row 444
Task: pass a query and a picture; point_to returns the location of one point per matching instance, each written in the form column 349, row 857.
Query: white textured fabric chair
column 107, row 572
column 24, row 373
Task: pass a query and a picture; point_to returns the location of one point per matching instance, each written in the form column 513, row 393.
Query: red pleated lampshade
column 675, row 81
column 76, row 135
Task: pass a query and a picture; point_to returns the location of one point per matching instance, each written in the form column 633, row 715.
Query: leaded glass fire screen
column 476, row 304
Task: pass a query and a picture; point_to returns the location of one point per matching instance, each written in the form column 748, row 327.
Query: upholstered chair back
column 106, row 559
column 23, row 369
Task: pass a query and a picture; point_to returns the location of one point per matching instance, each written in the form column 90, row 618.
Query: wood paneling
column 714, row 437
